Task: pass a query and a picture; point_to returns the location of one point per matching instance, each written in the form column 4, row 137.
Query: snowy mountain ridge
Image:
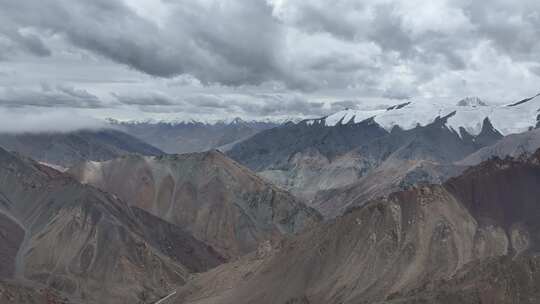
column 468, row 113
column 228, row 121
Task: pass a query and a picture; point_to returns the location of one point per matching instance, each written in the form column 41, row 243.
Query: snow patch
column 469, row 114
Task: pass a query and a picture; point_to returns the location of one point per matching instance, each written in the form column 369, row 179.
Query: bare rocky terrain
column 513, row 145
column 331, row 166
column 30, row 293
column 473, row 239
column 504, row 280
column 401, row 219
column 209, row 195
column 390, row 176
column 84, row 243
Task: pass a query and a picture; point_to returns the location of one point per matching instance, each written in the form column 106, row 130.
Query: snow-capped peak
column 468, row 113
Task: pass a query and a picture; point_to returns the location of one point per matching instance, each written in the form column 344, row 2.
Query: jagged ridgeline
column 332, row 161
column 211, row 196
column 64, row 240
column 473, row 239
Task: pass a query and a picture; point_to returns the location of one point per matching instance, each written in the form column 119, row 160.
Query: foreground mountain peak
column 84, row 242
column 211, row 196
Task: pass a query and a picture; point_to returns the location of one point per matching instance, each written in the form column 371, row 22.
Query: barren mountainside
column 513, row 145
column 312, row 159
column 217, row 200
column 269, row 152
column 85, row 243
column 459, row 242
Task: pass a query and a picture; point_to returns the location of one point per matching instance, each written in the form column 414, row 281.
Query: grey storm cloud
column 255, row 105
column 148, row 99
column 61, row 96
column 28, row 42
column 278, row 105
column 237, row 46
column 259, row 104
column 536, row 70
column 244, row 42
column 344, row 104
column 264, row 57
column 208, row 101
column 35, row 121
column 420, row 30
column 290, row 105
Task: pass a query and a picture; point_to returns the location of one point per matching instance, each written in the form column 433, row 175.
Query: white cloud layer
column 262, row 58
column 16, row 121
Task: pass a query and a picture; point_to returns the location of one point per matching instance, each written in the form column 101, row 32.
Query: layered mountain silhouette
column 372, row 206
column 473, row 239
column 67, row 149
column 312, row 159
column 188, row 137
column 380, row 151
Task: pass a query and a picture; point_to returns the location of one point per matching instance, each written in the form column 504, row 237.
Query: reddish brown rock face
column 208, row 194
column 504, row 193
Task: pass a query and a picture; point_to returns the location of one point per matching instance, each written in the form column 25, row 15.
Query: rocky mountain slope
column 30, row 293
column 88, row 245
column 311, row 158
column 502, row 280
column 211, row 196
column 188, row 137
column 395, row 173
column 473, row 239
column 67, row 149
column 513, row 145
column 392, row 175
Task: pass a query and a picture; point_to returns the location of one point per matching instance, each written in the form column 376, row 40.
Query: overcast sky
column 167, row 59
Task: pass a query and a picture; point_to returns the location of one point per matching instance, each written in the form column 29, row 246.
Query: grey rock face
column 88, row 244
column 512, row 145
column 11, row 237
column 67, row 149
column 504, row 280
column 314, row 161
column 217, row 200
column 30, row 293
column 271, row 149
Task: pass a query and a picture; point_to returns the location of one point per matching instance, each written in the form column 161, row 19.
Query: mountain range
column 193, row 136
column 86, row 243
column 469, row 240
column 67, row 149
column 415, row 203
column 207, row 194
column 378, row 152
